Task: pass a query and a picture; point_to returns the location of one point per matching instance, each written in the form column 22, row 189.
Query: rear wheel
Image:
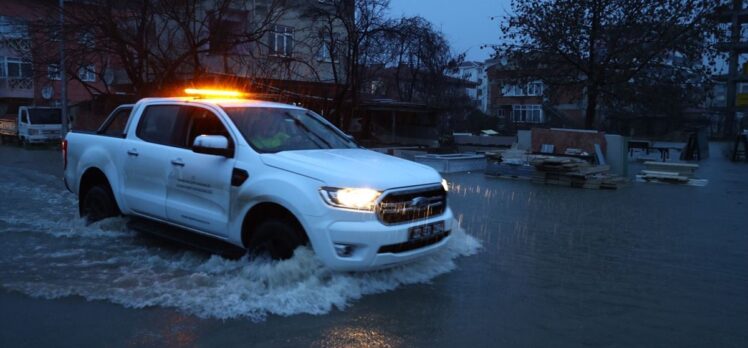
column 277, row 238
column 98, row 203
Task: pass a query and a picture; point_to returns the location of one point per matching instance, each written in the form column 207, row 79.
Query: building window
column 501, row 113
column 87, row 73
column 512, row 91
column 281, row 41
column 535, row 88
column 527, row 113
column 327, row 47
column 87, row 39
column 15, row 68
column 530, row 89
column 225, row 30
column 377, row 87
column 53, row 72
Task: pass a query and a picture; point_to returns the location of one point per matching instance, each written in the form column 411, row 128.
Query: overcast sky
column 467, row 23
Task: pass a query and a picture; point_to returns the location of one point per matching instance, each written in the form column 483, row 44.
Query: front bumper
column 43, row 138
column 366, row 237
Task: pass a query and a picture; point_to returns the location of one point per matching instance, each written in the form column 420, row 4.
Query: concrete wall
column 616, row 151
column 454, row 163
column 616, row 154
column 524, row 139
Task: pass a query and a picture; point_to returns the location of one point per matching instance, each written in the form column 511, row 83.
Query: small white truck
column 32, row 124
column 263, row 176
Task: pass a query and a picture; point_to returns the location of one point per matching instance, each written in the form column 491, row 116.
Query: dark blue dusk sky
column 467, row 23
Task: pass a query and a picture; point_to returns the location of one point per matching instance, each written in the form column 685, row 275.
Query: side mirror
column 212, row 145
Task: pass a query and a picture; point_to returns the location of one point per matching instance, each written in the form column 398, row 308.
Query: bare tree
column 602, row 44
column 349, row 31
column 421, row 57
column 156, row 43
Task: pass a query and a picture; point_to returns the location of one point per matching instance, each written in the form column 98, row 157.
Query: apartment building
column 474, row 72
column 280, row 44
column 522, row 103
column 26, row 78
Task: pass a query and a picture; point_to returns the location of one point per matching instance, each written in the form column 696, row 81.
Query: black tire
column 98, row 204
column 277, row 238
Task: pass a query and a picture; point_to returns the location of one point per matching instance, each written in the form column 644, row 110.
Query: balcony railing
column 16, row 83
column 16, row 88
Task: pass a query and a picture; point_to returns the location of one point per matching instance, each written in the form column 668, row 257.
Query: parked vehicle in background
column 32, row 125
column 261, row 176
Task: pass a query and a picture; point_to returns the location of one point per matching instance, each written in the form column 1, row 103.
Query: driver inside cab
column 268, row 133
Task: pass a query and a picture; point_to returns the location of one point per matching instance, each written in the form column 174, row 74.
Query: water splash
column 46, row 252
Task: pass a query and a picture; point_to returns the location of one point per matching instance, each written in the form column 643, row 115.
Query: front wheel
column 98, row 204
column 276, row 237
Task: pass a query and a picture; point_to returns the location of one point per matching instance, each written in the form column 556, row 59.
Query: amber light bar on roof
column 223, row 93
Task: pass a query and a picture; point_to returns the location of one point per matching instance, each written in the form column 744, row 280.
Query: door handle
column 177, row 162
column 132, row 152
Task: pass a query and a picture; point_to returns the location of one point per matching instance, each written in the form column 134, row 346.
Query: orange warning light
column 212, row 93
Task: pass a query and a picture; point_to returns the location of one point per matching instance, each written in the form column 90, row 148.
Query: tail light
column 64, row 147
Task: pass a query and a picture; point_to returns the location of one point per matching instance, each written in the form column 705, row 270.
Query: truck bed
column 8, row 125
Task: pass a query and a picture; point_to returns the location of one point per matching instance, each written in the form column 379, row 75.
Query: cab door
column 23, row 123
column 146, row 161
column 198, row 192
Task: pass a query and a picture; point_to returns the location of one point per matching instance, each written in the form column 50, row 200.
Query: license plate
column 425, row 231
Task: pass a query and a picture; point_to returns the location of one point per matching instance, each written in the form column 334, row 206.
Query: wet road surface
column 647, row 265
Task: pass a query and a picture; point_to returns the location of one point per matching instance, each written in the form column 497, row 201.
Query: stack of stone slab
column 668, row 172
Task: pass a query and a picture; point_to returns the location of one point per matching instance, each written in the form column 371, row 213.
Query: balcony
column 16, row 88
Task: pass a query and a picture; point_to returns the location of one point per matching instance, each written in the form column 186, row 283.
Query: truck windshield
column 276, row 129
column 45, row 116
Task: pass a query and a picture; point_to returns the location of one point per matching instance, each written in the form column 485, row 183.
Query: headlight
column 351, row 198
column 445, row 185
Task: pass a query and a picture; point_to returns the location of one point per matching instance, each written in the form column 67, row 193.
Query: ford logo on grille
column 419, row 202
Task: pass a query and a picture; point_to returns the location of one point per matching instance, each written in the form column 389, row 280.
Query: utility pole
column 63, row 76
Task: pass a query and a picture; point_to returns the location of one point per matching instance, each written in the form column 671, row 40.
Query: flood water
column 646, row 265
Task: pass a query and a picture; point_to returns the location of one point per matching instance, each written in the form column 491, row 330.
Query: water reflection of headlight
column 358, row 337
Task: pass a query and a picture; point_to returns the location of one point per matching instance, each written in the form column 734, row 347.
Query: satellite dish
column 47, row 92
column 108, row 76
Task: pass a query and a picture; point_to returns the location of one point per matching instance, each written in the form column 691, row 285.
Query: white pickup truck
column 263, row 176
column 32, row 124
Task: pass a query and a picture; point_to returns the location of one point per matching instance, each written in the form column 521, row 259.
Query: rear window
column 157, row 125
column 115, row 125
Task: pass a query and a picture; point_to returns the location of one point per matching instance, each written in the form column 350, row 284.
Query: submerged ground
column 647, row 265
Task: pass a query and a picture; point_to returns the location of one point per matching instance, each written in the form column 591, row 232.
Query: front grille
column 408, row 246
column 50, row 132
column 410, row 205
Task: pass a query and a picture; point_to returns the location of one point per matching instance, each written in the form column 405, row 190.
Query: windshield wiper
column 309, row 131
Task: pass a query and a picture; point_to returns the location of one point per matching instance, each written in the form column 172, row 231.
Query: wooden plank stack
column 573, row 172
